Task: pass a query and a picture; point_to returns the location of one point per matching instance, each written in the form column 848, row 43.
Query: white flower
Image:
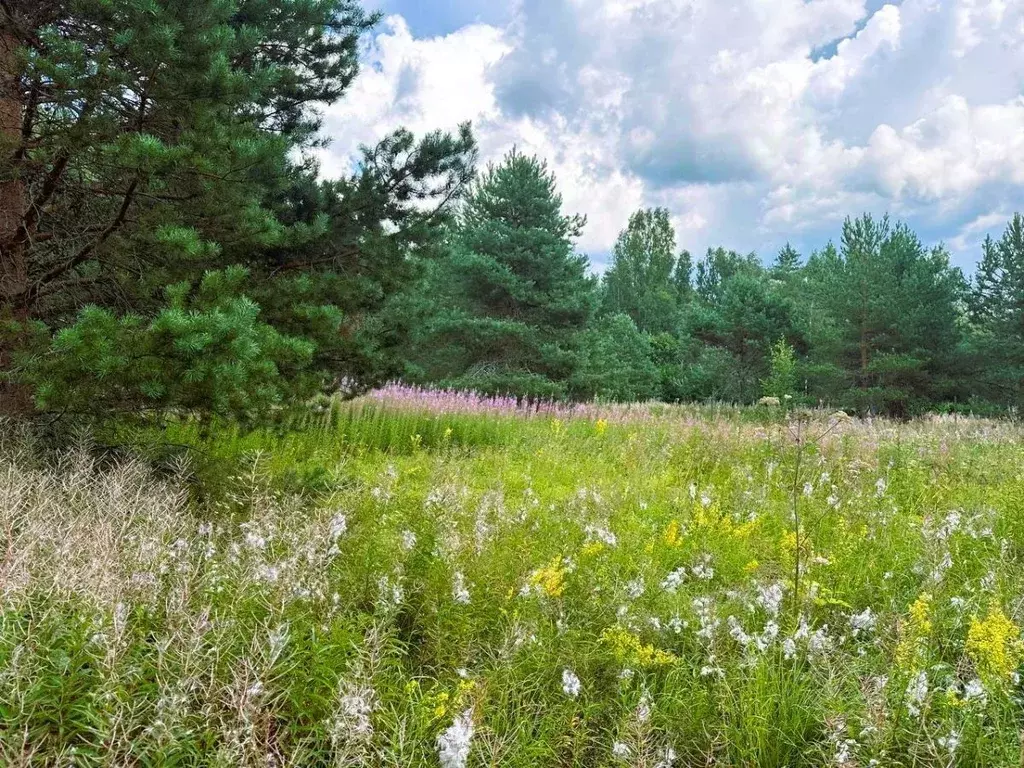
column 339, row 524
column 950, row 742
column 635, row 588
column 643, row 709
column 668, row 758
column 770, row 598
column 570, row 683
column 353, row 722
column 789, row 648
column 974, row 690
column 453, row 744
column 917, row 691
column 862, row 622
column 408, row 540
column 459, row 592
column 703, row 569
column 600, row 534
column 621, row 751
column 671, row 582
column 880, row 487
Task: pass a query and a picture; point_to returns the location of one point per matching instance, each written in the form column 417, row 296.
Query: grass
column 383, row 584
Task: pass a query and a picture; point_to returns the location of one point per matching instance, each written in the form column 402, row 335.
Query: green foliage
column 997, row 315
column 886, row 312
column 646, row 281
column 782, row 377
column 342, row 592
column 616, row 363
column 207, row 350
column 505, row 305
column 168, row 141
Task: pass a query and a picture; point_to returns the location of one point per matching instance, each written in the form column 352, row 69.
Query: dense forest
column 168, row 242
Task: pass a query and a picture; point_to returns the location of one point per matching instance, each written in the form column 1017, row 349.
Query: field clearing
column 423, row 581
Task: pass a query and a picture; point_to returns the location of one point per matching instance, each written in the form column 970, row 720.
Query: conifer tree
column 511, row 296
column 161, row 193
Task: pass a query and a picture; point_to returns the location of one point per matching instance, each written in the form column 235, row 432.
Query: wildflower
column 453, row 745
column 601, row 426
column 752, row 566
column 643, row 709
column 339, row 524
column 621, row 751
column 667, row 760
column 629, row 649
column 671, row 582
column 570, row 683
column 635, row 589
column 408, row 540
column 974, row 690
column 789, row 648
column 703, row 569
column 994, row 645
column 950, row 742
column 459, row 592
column 676, row 624
column 862, row 622
column 770, row 598
column 880, row 487
column 352, row 722
column 915, row 632
column 917, row 692
column 550, row 579
column 672, row 533
column 601, row 534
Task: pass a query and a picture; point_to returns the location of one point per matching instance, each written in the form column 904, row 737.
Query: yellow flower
column 672, row 533
column 994, row 645
column 630, row 651
column 550, row 578
column 752, row 566
column 915, row 632
column 556, row 426
column 592, row 548
column 601, row 426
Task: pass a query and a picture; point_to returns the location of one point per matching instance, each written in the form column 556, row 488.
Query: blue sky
column 755, row 122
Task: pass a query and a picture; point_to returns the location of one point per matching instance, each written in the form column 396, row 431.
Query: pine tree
column 511, row 296
column 891, row 318
column 162, row 143
column 787, row 263
column 997, row 312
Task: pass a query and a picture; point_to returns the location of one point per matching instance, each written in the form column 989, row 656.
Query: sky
column 754, row 122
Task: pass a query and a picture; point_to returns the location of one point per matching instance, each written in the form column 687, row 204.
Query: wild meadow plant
column 554, row 589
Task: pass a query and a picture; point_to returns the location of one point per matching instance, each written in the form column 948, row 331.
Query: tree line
column 167, row 242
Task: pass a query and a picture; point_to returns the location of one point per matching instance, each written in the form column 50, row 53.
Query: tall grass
column 376, row 586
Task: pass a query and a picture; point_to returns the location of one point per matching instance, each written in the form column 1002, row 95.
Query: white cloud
column 755, row 121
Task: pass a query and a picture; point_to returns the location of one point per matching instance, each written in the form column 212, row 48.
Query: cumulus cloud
column 755, row 121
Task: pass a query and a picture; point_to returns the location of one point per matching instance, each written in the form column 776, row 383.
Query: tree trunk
column 13, row 257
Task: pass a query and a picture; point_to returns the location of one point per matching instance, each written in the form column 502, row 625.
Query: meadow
column 428, row 579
